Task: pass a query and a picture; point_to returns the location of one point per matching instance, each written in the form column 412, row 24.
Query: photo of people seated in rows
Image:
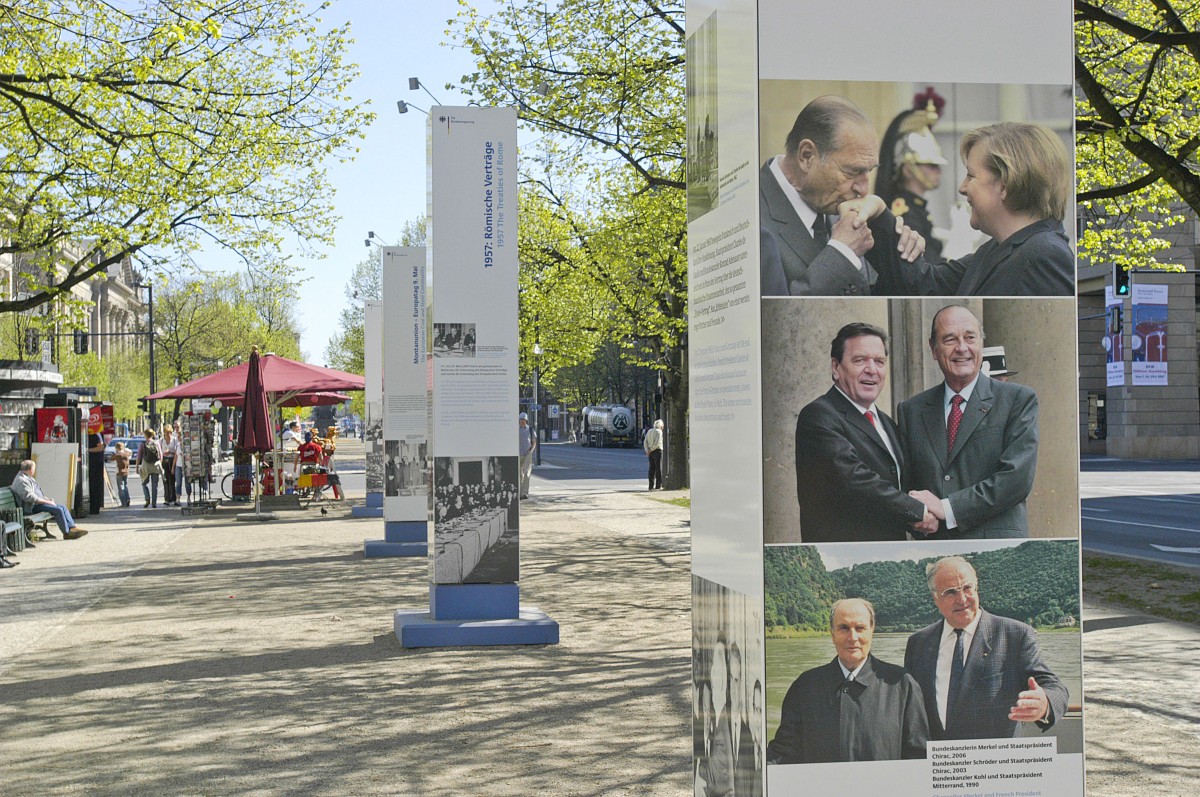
column 453, row 340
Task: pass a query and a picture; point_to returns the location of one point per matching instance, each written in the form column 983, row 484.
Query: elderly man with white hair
column 29, row 493
column 652, row 443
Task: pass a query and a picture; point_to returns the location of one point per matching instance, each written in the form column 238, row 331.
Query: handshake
column 934, row 512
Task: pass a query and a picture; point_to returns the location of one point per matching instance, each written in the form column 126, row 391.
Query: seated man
column 29, row 493
column 308, row 457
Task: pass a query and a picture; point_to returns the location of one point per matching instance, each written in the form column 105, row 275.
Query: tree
column 603, row 81
column 161, row 126
column 205, row 324
column 346, row 350
column 1137, row 65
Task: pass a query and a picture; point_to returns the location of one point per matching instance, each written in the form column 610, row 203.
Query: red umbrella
column 281, row 378
column 315, row 399
column 255, row 435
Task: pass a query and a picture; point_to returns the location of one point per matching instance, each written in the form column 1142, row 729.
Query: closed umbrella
column 256, row 435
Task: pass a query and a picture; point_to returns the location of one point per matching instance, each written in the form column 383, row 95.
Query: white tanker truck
column 608, row 425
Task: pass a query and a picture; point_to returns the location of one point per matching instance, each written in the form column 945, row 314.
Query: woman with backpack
column 149, row 464
column 170, row 452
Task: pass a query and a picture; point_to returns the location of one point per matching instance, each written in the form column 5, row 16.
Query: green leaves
column 603, row 219
column 159, row 127
column 1138, row 70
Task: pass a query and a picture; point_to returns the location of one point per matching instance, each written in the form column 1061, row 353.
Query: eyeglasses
column 953, row 592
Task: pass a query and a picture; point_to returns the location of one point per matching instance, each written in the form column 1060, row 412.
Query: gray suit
column 1034, row 261
column 1003, row 656
column 810, row 269
column 989, row 474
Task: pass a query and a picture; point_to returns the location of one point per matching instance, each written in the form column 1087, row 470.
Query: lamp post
column 149, row 286
column 537, row 405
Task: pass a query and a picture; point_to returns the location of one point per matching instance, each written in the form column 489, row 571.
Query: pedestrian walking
column 149, row 465
column 652, row 444
column 121, row 457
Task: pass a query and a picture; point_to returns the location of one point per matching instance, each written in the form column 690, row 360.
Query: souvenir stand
column 196, row 430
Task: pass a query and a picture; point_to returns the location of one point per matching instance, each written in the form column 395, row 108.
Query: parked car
column 134, row 444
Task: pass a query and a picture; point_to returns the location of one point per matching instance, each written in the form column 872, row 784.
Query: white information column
column 373, row 418
column 803, row 524
column 474, row 523
column 405, row 443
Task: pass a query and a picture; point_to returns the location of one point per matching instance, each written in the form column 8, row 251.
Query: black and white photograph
column 476, row 520
column 404, row 468
column 453, row 340
column 702, row 163
column 373, row 441
column 727, row 692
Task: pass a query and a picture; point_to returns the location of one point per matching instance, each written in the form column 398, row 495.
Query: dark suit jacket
column 1003, row 657
column 812, row 270
column 845, row 478
column 719, row 767
column 747, row 779
column 989, row 474
column 1034, row 261
column 880, row 717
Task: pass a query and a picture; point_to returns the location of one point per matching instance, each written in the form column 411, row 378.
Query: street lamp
column 149, row 286
column 537, row 363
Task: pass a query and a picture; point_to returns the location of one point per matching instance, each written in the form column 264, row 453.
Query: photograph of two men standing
column 956, row 445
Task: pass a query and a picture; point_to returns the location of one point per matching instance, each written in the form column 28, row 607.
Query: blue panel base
column 366, row 511
column 376, row 549
column 375, row 500
column 474, row 601
column 416, row 629
column 406, row 531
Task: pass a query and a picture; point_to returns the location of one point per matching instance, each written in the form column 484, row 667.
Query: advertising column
column 891, row 587
column 474, row 514
column 373, row 409
column 405, row 457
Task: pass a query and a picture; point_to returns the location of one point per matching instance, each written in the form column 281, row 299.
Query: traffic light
column 144, row 405
column 81, row 341
column 1121, row 279
column 33, row 342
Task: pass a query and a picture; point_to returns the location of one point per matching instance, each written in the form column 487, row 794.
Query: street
column 1142, row 509
column 573, row 468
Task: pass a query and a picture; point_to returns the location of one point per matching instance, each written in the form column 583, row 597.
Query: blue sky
column 385, row 186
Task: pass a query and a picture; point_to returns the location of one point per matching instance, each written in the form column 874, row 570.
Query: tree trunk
column 675, row 474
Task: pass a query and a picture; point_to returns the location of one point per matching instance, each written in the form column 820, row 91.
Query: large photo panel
column 982, row 171
column 860, row 647
column 831, row 475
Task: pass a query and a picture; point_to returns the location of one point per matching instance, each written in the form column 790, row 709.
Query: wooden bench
column 11, row 513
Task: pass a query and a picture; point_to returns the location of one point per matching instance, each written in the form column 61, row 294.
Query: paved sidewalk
column 159, row 656
column 163, row 655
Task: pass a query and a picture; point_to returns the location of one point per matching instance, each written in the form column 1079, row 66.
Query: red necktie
column 952, row 422
column 870, row 417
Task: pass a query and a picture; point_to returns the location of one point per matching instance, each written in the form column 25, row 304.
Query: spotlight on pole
column 415, row 83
